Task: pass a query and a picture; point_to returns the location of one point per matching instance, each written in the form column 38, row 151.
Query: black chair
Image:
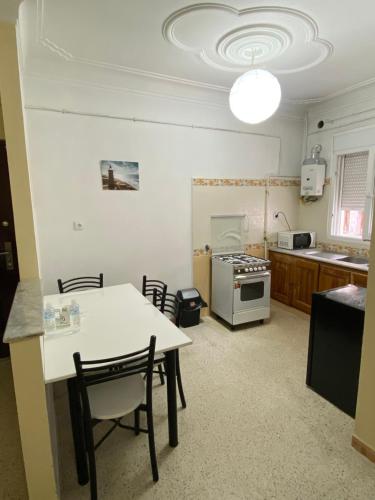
column 110, row 389
column 149, row 288
column 81, row 283
column 170, row 306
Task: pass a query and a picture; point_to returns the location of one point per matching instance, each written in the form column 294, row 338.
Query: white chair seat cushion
column 116, row 398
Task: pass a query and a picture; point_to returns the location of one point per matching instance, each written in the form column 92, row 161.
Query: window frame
column 335, row 195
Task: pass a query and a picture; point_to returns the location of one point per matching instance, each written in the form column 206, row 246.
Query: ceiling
column 316, row 48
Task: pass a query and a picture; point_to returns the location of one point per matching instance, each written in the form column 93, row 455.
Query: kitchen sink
column 355, row 260
column 338, row 256
column 326, row 255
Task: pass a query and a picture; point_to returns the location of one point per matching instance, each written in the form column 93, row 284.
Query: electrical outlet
column 78, row 226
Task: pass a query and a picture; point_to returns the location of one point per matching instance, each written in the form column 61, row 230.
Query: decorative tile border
column 248, row 248
column 254, row 247
column 346, row 249
column 284, row 181
column 333, row 247
column 272, row 182
column 198, row 252
column 327, row 247
column 228, row 182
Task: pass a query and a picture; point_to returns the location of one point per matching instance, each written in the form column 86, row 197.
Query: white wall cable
column 144, row 120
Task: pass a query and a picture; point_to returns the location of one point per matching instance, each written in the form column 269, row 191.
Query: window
column 353, row 195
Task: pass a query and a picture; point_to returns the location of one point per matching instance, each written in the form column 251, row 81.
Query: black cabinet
column 335, row 344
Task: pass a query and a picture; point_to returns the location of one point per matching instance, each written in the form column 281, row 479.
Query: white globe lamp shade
column 255, row 96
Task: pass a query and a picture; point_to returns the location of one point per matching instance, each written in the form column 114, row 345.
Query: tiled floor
column 252, row 429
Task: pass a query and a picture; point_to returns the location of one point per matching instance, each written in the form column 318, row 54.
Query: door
column 9, row 276
column 281, row 286
column 251, row 292
column 359, row 279
column 306, row 275
column 332, row 277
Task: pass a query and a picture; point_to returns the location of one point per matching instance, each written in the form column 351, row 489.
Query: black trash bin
column 191, row 304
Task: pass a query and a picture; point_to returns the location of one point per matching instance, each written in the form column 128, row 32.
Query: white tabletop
column 115, row 320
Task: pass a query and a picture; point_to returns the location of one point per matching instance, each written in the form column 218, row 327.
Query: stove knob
column 264, row 268
column 255, row 269
column 246, row 270
column 238, row 270
column 251, row 269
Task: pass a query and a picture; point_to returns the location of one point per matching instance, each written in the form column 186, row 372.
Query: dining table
column 114, row 320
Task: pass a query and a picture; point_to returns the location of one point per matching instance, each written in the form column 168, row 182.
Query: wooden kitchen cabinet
column 305, row 282
column 281, row 280
column 332, row 277
column 294, row 279
column 359, row 279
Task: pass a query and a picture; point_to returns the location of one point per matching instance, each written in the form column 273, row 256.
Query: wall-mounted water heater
column 313, row 174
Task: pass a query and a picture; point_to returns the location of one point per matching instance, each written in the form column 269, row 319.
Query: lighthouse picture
column 119, row 175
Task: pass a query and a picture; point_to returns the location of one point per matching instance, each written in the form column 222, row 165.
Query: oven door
column 251, row 291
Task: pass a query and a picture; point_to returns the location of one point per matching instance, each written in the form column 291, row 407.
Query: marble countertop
column 333, row 261
column 26, row 315
column 350, row 295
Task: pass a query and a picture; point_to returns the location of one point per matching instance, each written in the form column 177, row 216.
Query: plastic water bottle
column 75, row 314
column 49, row 318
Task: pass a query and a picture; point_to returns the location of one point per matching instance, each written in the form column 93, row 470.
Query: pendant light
column 255, row 96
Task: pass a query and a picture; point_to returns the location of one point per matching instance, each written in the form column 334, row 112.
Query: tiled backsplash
column 346, row 249
column 258, row 249
column 247, row 197
column 283, row 194
column 250, row 248
column 333, row 247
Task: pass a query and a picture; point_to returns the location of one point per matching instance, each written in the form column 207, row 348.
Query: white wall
column 127, row 234
column 349, row 122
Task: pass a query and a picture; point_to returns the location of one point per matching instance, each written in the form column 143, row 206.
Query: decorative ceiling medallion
column 252, row 44
column 232, row 40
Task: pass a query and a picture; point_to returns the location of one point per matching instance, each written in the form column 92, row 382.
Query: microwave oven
column 293, row 240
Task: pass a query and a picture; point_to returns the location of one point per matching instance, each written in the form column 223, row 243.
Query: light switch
column 78, row 226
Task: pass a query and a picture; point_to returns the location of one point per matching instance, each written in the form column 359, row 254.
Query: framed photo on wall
column 119, row 175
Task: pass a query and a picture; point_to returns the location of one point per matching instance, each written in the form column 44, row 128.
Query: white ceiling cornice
column 168, row 29
column 344, row 91
column 287, row 110
column 68, row 56
column 57, row 43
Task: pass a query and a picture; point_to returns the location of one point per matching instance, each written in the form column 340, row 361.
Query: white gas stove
column 240, row 287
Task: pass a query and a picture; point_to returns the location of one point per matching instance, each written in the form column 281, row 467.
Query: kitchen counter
column 304, row 253
column 349, row 295
column 26, row 315
column 335, row 344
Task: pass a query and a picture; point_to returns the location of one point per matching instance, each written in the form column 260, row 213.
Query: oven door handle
column 243, row 277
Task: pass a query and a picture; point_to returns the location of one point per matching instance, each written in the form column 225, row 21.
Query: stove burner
column 241, row 259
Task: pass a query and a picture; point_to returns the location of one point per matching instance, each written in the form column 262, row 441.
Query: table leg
column 172, row 400
column 78, row 431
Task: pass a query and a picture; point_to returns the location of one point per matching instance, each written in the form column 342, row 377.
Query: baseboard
column 363, row 448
